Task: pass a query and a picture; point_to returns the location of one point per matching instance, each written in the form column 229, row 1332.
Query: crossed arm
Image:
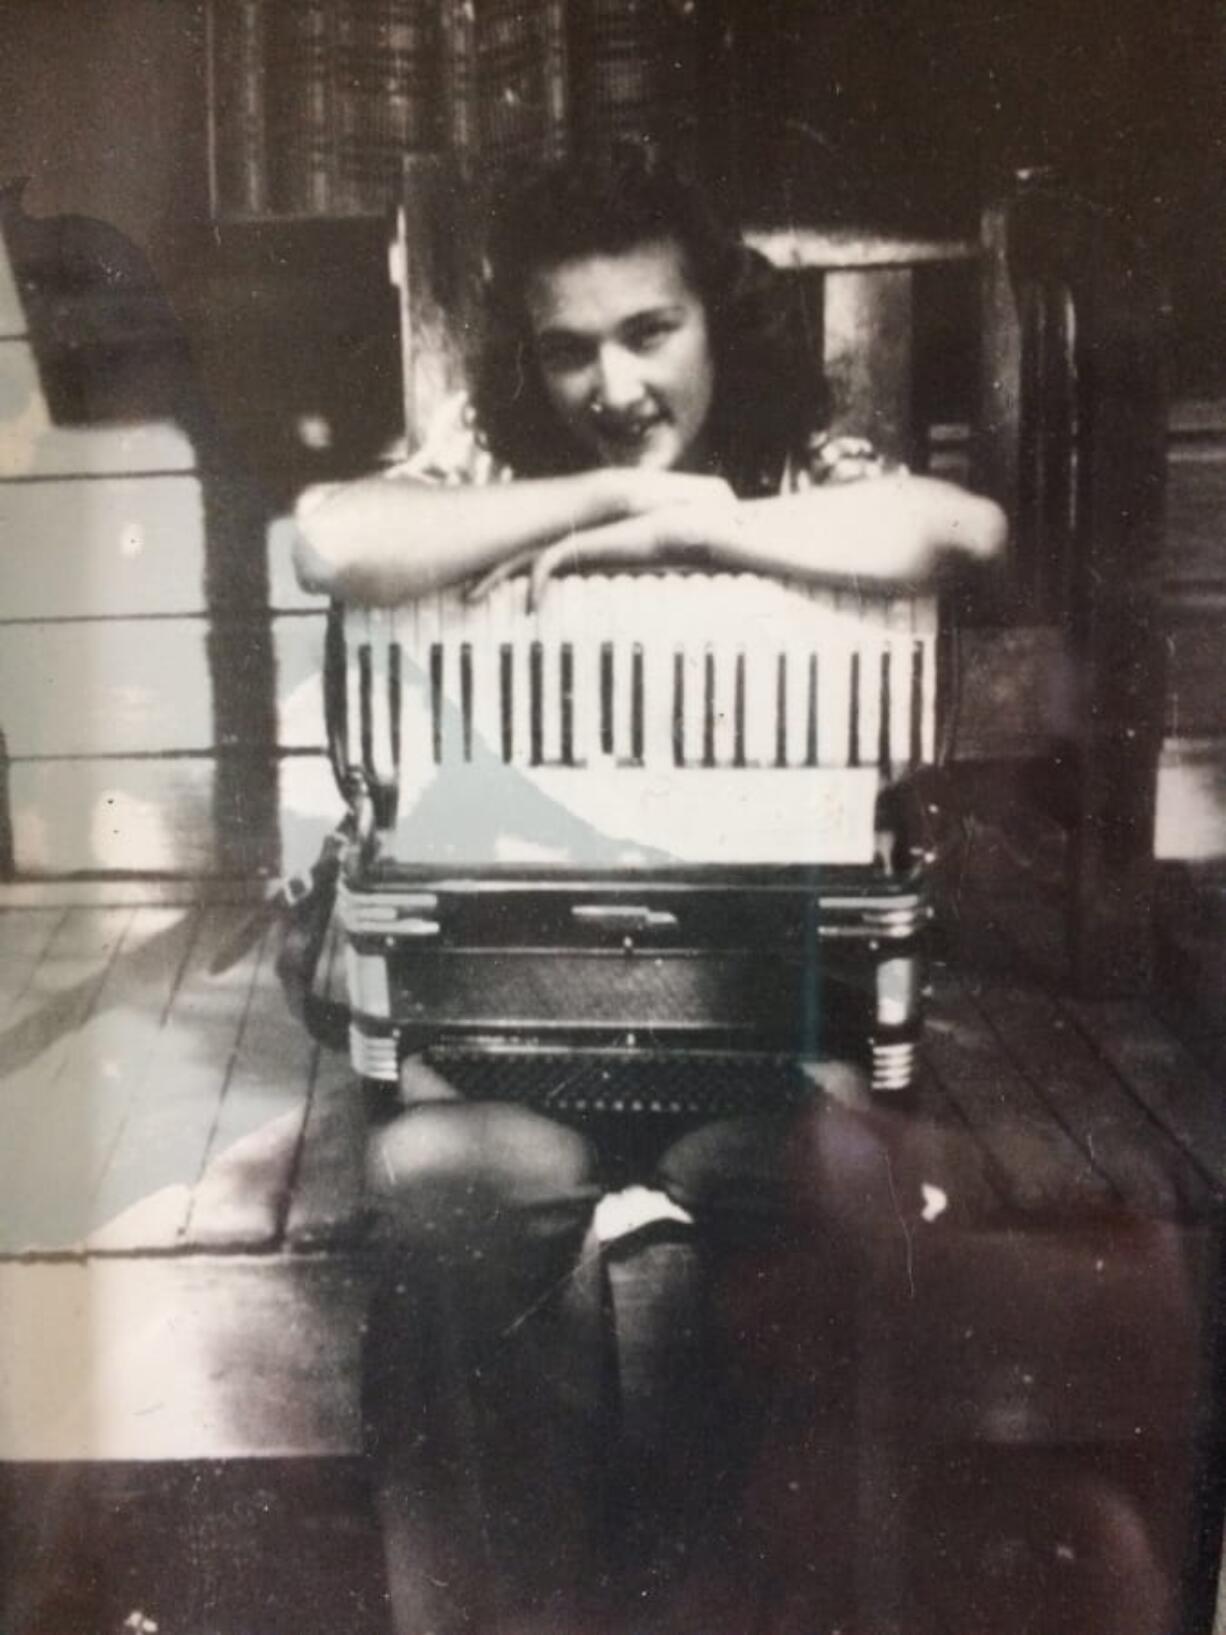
column 381, row 540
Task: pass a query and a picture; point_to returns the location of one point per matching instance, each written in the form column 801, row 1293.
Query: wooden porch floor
column 168, row 1131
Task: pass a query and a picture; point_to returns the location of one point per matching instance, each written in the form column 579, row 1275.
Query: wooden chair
column 1056, row 667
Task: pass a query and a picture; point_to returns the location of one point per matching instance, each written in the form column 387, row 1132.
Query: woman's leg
column 485, row 1367
column 882, row 1323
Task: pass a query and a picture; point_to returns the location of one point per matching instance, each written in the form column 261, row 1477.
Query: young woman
column 648, row 393
column 642, row 394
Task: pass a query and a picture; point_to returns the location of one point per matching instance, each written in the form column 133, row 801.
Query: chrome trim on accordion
column 374, row 1055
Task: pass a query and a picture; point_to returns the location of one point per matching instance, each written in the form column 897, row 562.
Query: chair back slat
column 434, row 265
column 868, row 324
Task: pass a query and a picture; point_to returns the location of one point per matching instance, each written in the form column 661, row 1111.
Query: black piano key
column 738, row 713
column 466, row 697
column 781, row 710
column 436, row 700
column 811, row 722
column 853, row 726
column 708, row 709
column 536, row 703
column 394, row 688
column 364, row 697
column 568, row 704
column 917, row 704
column 636, row 705
column 606, row 698
column 678, row 708
column 506, row 688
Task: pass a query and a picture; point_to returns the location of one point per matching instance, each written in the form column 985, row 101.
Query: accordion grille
column 744, row 991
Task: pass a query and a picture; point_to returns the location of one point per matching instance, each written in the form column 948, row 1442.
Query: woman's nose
column 619, row 382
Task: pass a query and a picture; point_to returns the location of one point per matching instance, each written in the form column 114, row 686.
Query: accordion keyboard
column 660, row 670
column 641, row 704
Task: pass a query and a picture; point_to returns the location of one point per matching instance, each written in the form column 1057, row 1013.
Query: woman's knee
column 730, row 1167
column 442, row 1165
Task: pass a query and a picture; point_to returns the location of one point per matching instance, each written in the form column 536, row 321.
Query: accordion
column 666, row 819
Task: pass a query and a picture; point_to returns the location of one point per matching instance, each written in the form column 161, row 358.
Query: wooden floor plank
column 1030, row 924
column 143, row 1186
column 1151, row 1174
column 1162, row 1074
column 64, row 1123
column 242, row 1195
column 71, row 1042
column 184, row 1357
column 1117, row 1136
column 25, row 936
column 326, row 1207
column 1038, row 1166
column 129, row 892
column 63, row 983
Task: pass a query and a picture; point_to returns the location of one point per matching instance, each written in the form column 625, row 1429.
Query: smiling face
column 624, row 352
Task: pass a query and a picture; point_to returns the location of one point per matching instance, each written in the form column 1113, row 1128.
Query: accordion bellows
column 661, row 791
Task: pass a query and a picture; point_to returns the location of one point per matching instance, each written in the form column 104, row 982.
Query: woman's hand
column 638, row 490
column 708, row 524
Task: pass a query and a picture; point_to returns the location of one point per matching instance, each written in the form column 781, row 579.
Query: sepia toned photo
column 612, row 817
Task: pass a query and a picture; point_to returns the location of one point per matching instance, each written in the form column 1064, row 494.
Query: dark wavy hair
column 769, row 394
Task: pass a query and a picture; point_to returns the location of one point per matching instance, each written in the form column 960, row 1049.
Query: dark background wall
column 868, row 106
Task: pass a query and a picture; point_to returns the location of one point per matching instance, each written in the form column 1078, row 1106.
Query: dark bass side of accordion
column 809, row 965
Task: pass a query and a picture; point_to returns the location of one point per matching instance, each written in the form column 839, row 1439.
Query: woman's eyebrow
column 558, row 339
column 563, row 335
column 666, row 309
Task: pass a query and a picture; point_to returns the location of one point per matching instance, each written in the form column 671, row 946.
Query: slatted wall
column 129, row 653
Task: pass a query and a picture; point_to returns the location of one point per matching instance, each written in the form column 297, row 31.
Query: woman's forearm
column 893, row 529
column 381, row 540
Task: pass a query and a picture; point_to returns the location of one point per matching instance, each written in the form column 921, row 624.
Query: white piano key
column 900, row 622
column 759, row 638
column 725, row 723
column 692, row 645
column 584, row 722
column 416, row 739
column 725, row 640
column 759, row 663
column 355, row 621
column 658, row 700
column 453, row 633
column 382, row 764
column 520, row 640
column 872, row 616
column 797, row 670
column 925, row 623
column 549, row 633
column 835, row 703
column 481, row 631
column 628, row 605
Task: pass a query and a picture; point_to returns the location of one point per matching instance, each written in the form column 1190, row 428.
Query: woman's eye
column 562, row 357
column 646, row 336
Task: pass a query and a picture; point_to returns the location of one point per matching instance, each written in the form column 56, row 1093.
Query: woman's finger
column 506, row 569
column 545, row 565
